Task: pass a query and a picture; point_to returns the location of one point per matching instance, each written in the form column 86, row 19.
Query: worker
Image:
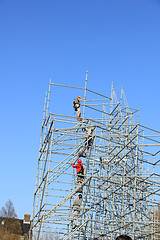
column 76, row 208
column 76, row 106
column 88, row 141
column 80, row 171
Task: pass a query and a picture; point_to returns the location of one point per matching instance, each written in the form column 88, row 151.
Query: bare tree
column 8, row 210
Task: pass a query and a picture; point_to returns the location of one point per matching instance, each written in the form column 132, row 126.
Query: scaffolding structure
column 121, row 189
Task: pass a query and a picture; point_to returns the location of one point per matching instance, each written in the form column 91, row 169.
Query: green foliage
column 11, row 225
column 6, row 234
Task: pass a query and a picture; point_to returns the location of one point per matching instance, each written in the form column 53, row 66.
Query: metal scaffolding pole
column 121, row 189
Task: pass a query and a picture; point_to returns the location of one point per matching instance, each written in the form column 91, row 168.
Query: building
column 14, row 226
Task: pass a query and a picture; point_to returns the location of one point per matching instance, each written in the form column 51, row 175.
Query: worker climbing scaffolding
column 80, row 171
column 76, row 210
column 89, row 138
column 76, row 106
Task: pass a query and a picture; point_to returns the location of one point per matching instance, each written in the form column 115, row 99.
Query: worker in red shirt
column 80, row 170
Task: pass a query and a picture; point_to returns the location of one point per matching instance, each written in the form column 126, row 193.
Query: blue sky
column 115, row 41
